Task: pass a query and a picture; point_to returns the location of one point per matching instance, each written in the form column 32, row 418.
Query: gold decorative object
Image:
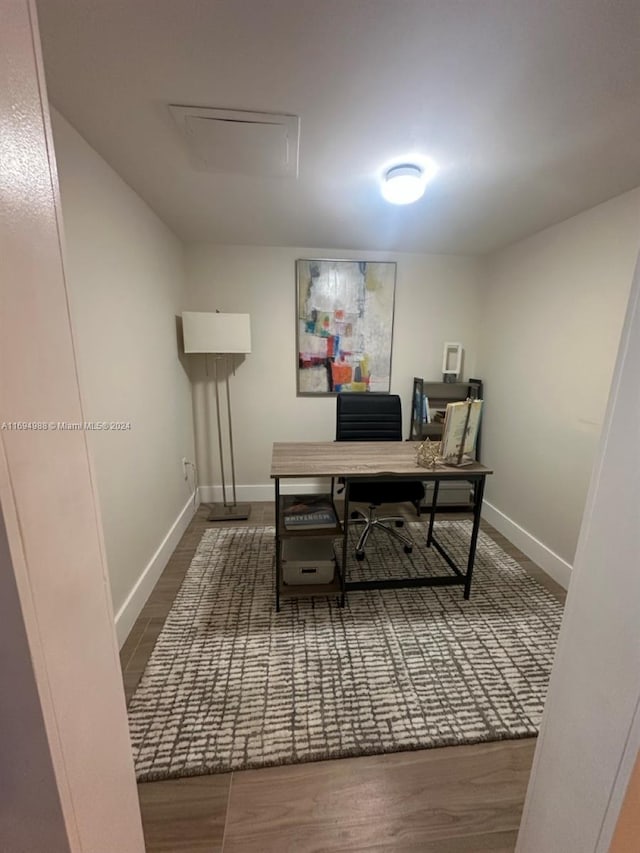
column 428, row 453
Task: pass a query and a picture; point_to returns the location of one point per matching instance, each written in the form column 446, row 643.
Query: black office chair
column 376, row 417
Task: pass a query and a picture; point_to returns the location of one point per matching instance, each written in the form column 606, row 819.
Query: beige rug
column 232, row 684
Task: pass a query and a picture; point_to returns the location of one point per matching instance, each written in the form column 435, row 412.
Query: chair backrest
column 368, row 417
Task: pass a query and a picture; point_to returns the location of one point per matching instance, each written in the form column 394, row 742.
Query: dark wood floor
column 464, row 798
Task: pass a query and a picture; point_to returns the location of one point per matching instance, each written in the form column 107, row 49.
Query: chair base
column 372, row 523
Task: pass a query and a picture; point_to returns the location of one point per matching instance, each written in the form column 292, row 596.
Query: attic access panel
column 240, row 141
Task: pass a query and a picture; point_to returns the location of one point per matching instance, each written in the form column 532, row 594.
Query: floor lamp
column 223, row 336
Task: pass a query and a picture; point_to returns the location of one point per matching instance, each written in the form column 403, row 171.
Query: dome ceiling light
column 405, row 183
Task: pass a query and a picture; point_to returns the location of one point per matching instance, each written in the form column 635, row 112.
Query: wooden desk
column 373, row 460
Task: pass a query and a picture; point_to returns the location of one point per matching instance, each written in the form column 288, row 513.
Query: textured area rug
column 232, row 684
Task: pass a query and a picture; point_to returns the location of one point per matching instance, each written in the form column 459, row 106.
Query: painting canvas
column 345, row 325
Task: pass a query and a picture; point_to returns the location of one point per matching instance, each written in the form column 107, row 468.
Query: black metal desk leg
column 278, row 544
column 345, row 542
column 479, row 491
column 432, row 518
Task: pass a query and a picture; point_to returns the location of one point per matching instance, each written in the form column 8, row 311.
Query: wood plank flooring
column 464, row 799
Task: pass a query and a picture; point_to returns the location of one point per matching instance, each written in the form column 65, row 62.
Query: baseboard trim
column 548, row 560
column 266, row 492
column 135, row 601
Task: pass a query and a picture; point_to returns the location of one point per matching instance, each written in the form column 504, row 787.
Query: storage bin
column 450, row 493
column 308, row 561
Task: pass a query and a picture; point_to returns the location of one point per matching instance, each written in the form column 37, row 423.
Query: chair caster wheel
column 360, row 555
column 399, row 523
column 354, row 515
column 408, row 549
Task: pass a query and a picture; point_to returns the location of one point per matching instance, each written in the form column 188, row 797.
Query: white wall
column 552, row 313
column 437, row 299
column 67, row 781
column 590, row 732
column 126, row 277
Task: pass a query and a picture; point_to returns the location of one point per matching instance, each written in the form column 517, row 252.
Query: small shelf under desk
column 311, row 590
column 284, row 590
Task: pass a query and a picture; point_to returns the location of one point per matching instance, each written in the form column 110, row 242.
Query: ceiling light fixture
column 405, row 183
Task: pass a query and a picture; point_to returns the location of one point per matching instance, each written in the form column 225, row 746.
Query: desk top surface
column 359, row 459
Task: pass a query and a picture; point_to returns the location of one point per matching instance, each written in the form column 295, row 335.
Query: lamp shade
column 215, row 332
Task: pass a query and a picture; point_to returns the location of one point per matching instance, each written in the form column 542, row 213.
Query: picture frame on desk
column 460, row 432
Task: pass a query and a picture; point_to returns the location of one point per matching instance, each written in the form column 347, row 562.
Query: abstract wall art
column 344, row 325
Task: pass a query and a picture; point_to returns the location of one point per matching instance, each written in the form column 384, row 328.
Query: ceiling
column 531, row 109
